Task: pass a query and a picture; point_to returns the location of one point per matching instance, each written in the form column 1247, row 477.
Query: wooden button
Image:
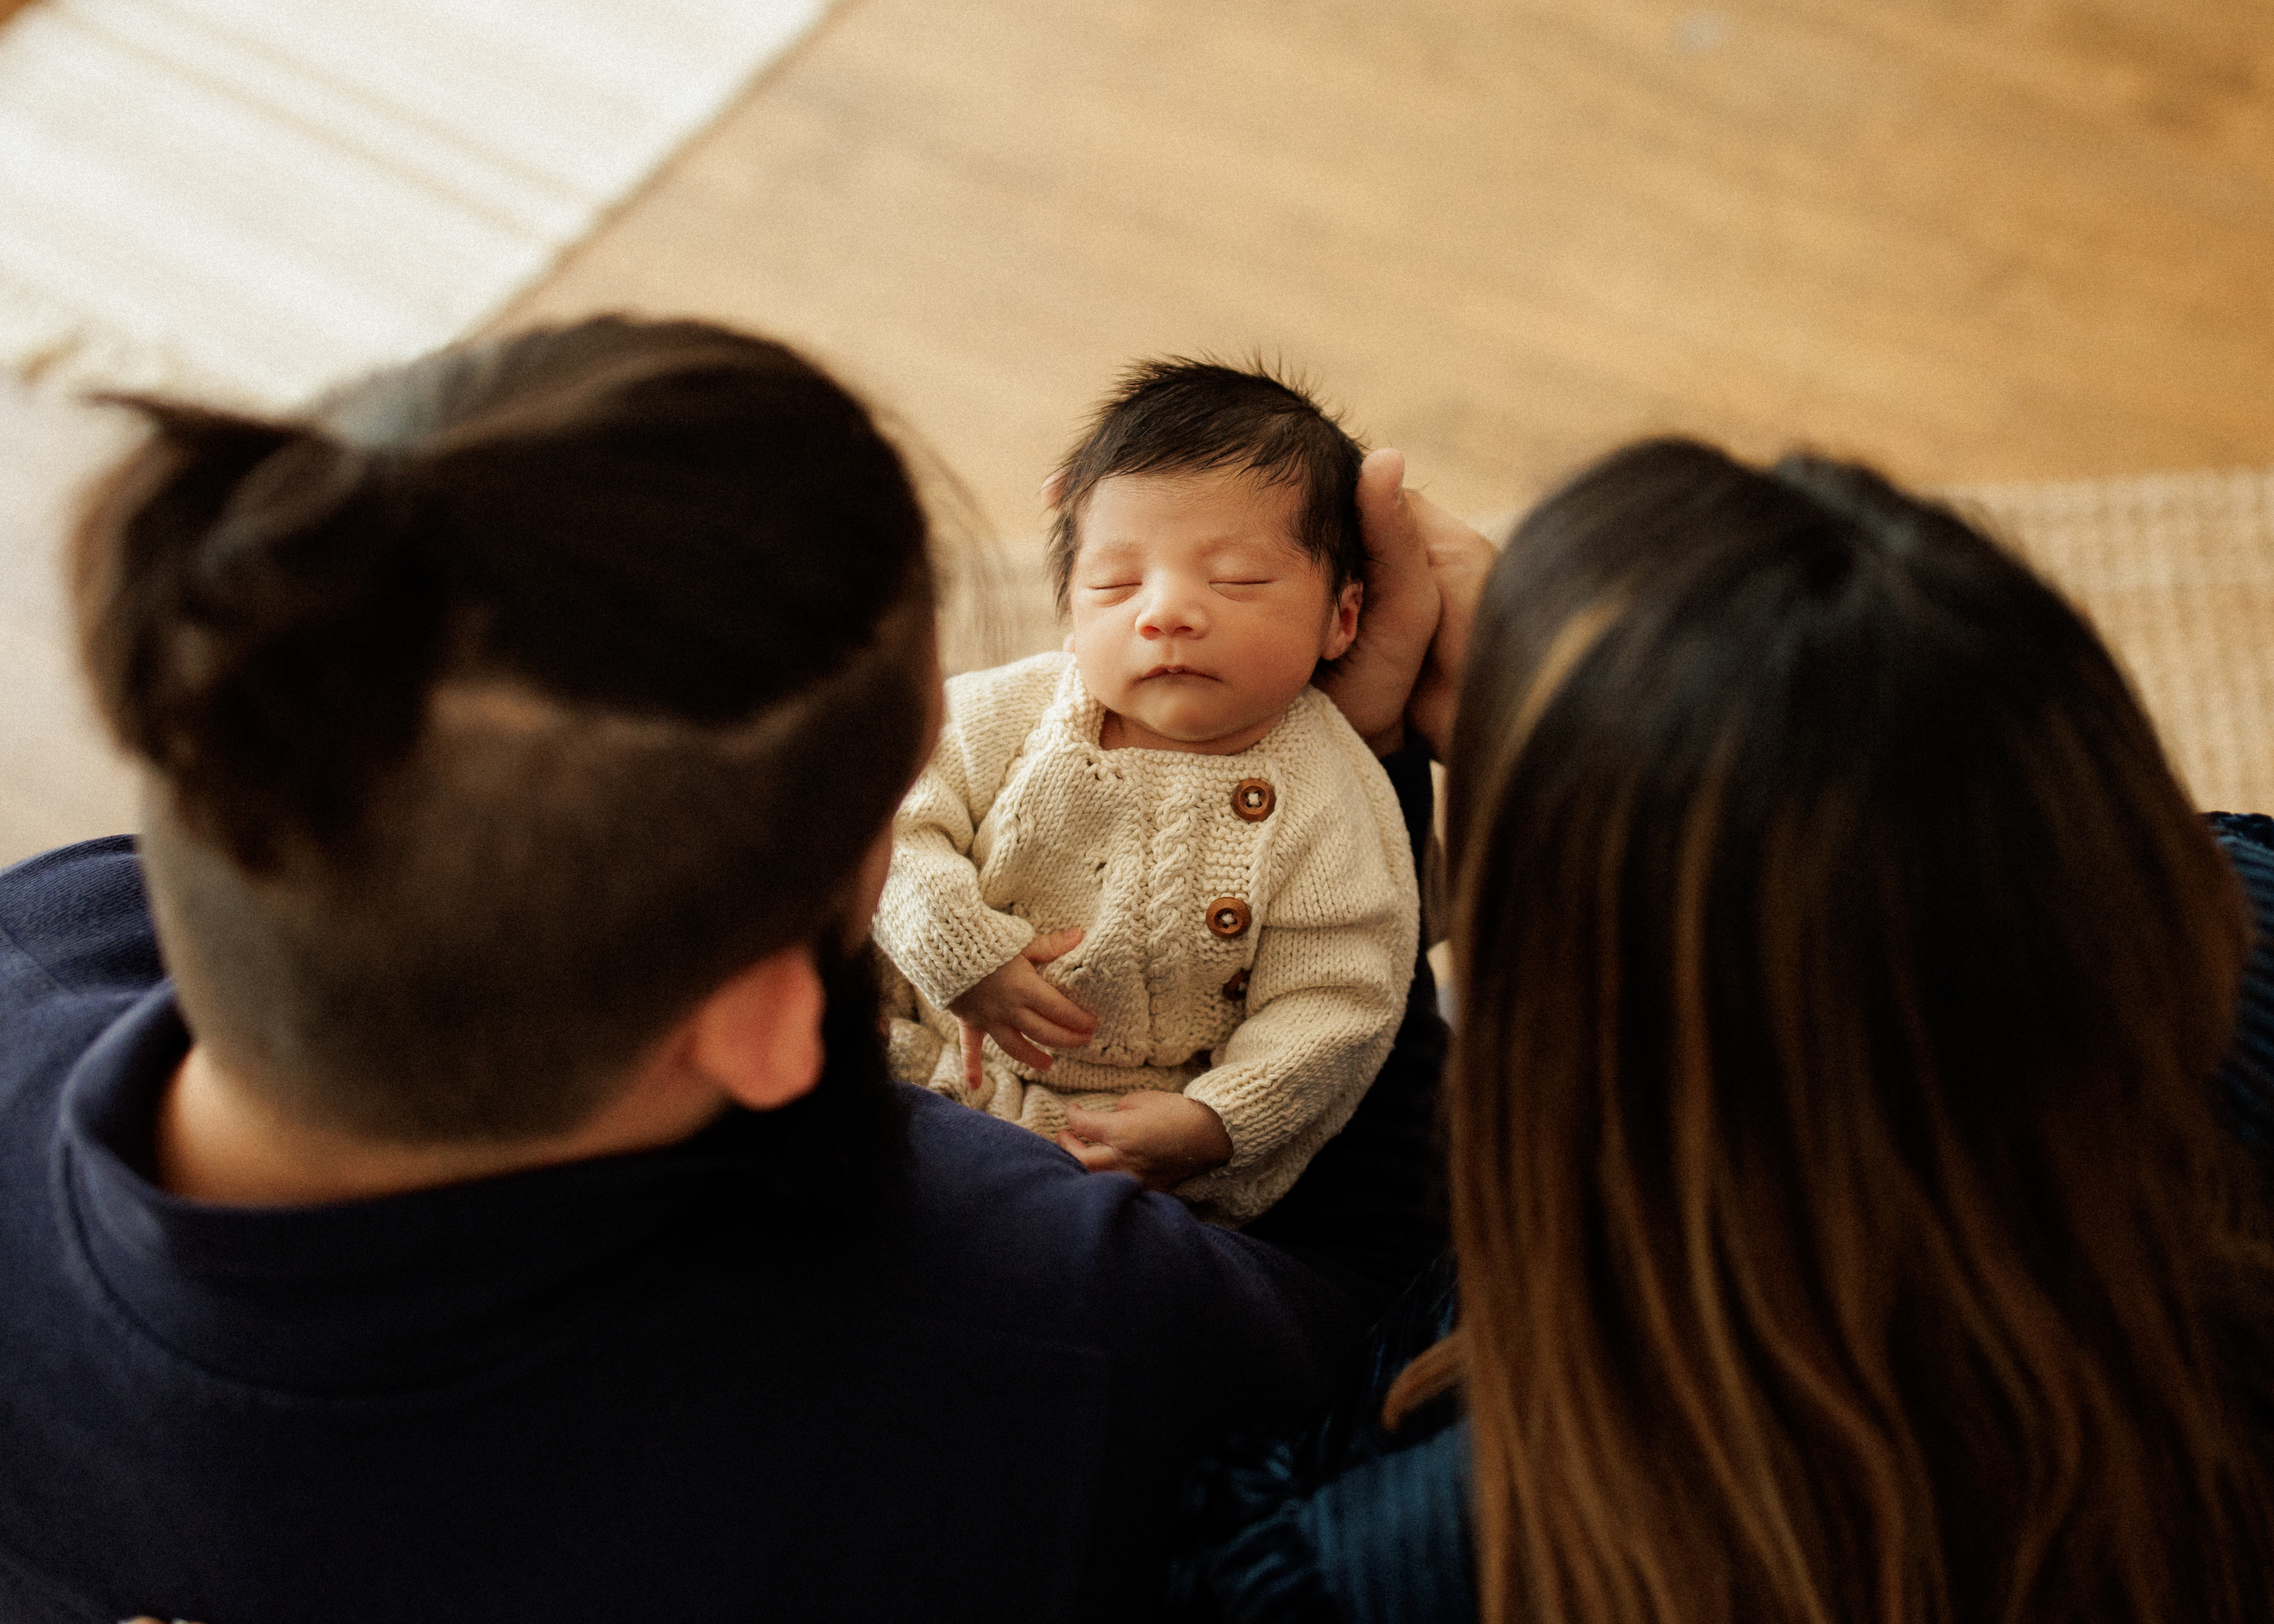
column 1236, row 988
column 1228, row 917
column 1253, row 798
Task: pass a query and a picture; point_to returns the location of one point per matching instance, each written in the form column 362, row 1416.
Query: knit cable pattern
column 1021, row 823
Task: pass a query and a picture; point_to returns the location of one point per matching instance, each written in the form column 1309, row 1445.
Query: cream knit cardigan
column 1022, row 824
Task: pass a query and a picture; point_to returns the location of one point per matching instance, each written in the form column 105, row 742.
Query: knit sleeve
column 932, row 920
column 1325, row 993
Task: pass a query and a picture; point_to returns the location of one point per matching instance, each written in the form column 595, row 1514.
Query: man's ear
column 758, row 1037
column 1342, row 628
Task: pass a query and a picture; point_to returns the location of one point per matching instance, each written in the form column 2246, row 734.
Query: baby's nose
column 1172, row 608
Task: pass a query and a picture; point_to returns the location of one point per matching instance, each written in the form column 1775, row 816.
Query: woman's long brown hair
column 1846, row 1229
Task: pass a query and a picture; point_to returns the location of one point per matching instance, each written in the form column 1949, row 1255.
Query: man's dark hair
column 1175, row 415
column 503, row 707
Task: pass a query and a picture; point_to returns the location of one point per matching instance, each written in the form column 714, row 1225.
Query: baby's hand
column 1016, row 1007
column 1163, row 1139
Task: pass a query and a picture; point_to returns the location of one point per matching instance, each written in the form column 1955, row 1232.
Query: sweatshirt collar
column 344, row 1295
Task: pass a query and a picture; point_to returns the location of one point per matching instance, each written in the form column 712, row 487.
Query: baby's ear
column 1342, row 631
column 1053, row 488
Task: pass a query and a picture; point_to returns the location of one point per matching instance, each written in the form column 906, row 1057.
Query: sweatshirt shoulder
column 1020, row 1218
column 78, row 920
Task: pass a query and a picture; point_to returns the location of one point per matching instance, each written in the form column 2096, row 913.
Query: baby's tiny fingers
column 1051, row 944
column 1014, row 1043
column 1045, row 1030
column 1065, row 1013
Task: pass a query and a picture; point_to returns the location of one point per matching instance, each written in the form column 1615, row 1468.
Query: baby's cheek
column 1096, row 657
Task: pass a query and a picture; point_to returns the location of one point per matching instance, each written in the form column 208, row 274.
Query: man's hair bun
column 264, row 624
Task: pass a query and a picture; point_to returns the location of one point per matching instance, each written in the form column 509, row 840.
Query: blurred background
column 1972, row 239
column 2022, row 250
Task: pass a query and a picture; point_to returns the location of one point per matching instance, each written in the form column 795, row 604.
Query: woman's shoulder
column 2246, row 1079
column 1341, row 1518
column 80, row 915
column 1385, row 1539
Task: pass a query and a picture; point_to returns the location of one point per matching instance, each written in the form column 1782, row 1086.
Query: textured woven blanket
column 2177, row 570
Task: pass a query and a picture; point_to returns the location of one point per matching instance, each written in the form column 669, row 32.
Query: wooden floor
column 1971, row 239
column 59, row 779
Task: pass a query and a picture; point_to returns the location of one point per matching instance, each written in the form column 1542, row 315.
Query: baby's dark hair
column 1174, row 415
column 501, row 707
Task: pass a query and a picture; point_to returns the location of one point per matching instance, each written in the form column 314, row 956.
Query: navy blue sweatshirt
column 619, row 1389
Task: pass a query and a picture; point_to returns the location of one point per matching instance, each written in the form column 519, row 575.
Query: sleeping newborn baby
column 1163, row 855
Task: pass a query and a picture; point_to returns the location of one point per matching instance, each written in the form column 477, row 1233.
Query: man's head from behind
column 504, row 709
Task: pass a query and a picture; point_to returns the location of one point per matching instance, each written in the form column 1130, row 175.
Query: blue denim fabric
column 2246, row 1079
column 1341, row 1519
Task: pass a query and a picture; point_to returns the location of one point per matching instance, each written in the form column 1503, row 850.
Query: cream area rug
column 249, row 200
column 2177, row 571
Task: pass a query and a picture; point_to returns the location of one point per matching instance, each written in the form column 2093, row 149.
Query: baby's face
column 1197, row 616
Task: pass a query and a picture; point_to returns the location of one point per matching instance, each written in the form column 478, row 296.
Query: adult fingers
column 1460, row 558
column 974, row 1039
column 1460, row 555
column 1096, row 1158
column 1371, row 682
column 1098, row 1127
column 1381, row 479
